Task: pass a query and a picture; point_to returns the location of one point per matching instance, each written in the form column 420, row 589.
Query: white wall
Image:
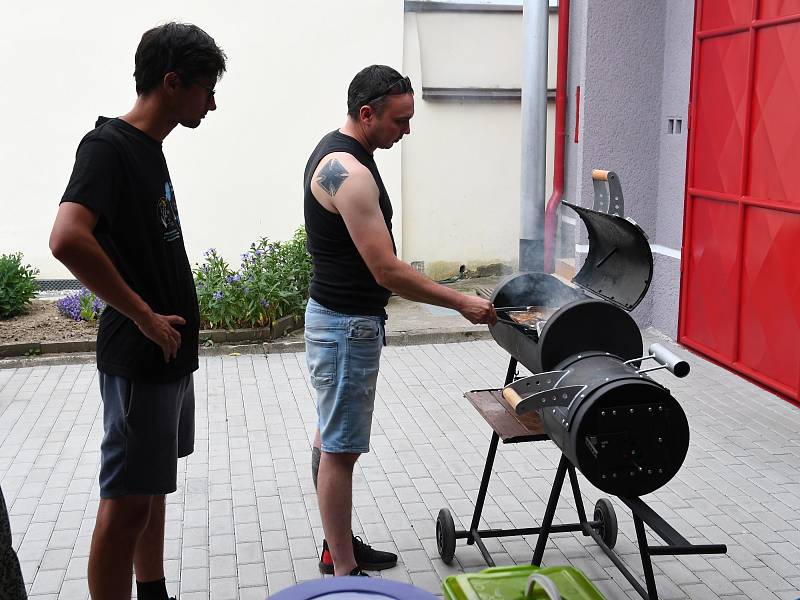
column 238, row 176
column 461, row 163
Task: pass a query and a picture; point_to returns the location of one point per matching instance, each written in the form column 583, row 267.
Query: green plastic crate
column 509, row 583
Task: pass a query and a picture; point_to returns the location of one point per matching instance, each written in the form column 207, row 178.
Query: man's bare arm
column 72, row 243
column 356, row 199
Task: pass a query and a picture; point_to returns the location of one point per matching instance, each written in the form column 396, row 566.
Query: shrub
column 272, row 282
column 17, row 285
column 82, row 305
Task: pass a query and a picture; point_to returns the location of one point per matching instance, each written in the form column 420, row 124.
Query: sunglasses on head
column 401, row 86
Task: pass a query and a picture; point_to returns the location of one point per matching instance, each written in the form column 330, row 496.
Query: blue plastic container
column 352, row 588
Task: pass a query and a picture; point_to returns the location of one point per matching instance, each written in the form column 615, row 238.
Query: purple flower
column 246, row 290
column 209, row 252
column 232, row 278
column 217, row 295
column 82, row 305
column 264, row 303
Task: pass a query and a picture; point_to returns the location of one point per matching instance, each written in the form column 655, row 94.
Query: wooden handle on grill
column 599, row 175
column 512, row 397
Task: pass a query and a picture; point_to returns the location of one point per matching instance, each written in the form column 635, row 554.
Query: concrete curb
column 75, row 353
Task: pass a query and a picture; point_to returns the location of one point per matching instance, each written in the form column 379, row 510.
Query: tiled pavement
column 244, row 522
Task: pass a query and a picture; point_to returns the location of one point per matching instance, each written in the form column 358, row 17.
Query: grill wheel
column 446, row 536
column 604, row 512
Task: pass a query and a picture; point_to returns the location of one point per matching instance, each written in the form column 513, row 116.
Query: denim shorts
column 146, row 428
column 343, row 353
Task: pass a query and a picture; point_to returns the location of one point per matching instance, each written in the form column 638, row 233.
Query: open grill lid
column 619, row 266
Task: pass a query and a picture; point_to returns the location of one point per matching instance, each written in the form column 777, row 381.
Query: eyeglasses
column 401, row 86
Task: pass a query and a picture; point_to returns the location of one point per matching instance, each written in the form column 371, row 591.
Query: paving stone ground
column 244, row 522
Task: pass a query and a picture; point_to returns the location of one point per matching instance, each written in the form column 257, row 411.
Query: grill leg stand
column 476, row 516
column 576, row 492
column 474, row 537
column 550, row 512
column 647, row 563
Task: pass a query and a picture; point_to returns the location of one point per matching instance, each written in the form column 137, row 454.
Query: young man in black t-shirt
column 119, row 232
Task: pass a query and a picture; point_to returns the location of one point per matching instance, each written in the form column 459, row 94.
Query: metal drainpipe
column 551, row 212
column 535, row 15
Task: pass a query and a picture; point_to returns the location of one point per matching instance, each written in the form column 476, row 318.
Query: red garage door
column 740, row 286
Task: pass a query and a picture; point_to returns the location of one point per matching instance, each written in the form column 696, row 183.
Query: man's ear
column 171, row 82
column 367, row 113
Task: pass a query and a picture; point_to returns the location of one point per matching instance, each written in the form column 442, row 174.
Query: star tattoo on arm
column 332, row 176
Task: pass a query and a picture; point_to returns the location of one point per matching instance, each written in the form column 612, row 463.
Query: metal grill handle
column 674, row 363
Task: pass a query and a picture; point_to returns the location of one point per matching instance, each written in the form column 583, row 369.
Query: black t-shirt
column 121, row 175
column 341, row 280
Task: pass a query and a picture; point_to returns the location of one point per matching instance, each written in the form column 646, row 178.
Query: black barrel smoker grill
column 589, row 392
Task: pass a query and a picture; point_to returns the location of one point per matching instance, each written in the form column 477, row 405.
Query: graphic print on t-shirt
column 168, row 212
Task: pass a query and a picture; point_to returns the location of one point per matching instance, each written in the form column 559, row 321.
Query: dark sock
column 316, row 454
column 152, row 590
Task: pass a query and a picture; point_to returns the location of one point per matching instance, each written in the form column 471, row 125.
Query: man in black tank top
column 348, row 218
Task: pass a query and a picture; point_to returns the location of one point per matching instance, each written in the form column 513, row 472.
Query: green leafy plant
column 271, row 282
column 17, row 285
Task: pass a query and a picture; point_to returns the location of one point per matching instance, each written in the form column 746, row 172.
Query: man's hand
column 159, row 329
column 477, row 310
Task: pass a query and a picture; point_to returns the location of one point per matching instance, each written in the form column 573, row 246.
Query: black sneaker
column 366, row 557
column 370, row 559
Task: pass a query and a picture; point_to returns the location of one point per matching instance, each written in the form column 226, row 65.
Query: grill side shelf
column 511, row 428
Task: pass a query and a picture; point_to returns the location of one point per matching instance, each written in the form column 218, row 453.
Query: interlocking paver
column 244, row 522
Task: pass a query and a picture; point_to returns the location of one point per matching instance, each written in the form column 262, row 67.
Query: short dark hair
column 372, row 85
column 181, row 48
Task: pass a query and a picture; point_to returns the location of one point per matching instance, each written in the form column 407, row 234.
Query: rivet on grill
column 564, row 396
column 602, row 412
column 614, row 475
column 660, row 408
column 641, row 469
column 602, row 477
column 631, row 411
column 650, row 409
column 661, row 470
column 649, row 471
column 613, row 412
column 632, row 473
column 660, row 440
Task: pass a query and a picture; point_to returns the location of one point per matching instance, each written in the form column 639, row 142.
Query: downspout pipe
column 535, row 15
column 551, row 211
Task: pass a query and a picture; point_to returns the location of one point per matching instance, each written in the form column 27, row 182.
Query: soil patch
column 43, row 323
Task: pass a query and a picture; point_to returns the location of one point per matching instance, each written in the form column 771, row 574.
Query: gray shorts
column 147, row 427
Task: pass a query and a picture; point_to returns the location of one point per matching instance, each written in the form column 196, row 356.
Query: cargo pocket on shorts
column 321, row 358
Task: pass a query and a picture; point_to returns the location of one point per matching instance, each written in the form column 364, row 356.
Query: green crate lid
column 508, row 583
